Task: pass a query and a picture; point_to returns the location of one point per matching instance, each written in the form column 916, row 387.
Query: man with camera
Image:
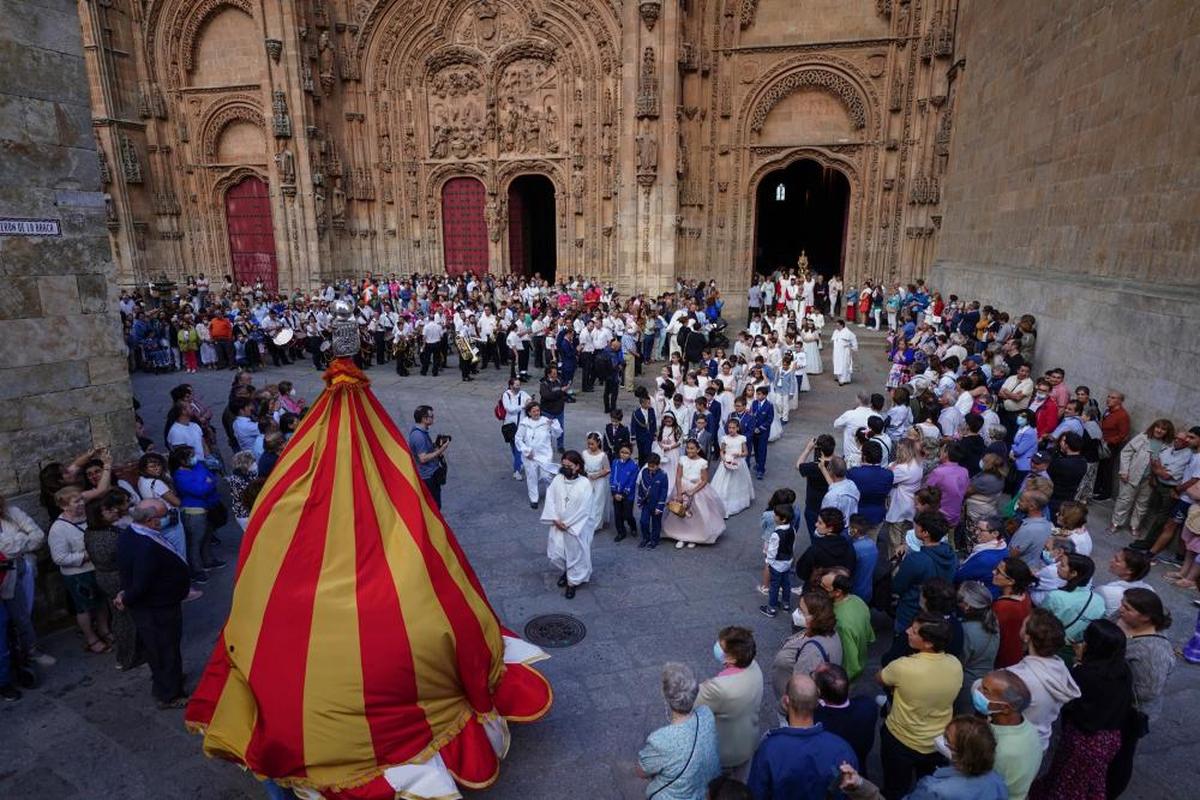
column 430, row 453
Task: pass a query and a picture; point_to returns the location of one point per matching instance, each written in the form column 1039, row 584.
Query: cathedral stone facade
column 635, row 140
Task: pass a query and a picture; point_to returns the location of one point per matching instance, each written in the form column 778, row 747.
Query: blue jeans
column 198, row 532
column 781, row 588
column 562, row 423
column 516, row 454
column 651, row 526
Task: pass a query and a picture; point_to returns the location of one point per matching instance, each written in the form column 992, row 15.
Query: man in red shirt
column 1114, row 425
column 222, row 335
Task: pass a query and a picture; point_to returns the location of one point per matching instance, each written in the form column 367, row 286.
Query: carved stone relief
column 647, row 97
column 528, row 116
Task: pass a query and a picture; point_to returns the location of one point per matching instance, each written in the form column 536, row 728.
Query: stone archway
column 803, row 207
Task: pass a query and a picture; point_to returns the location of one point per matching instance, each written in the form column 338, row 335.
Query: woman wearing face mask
column 817, row 642
column 970, row 746
column 197, row 488
column 1044, row 409
column 1091, row 724
column 735, row 697
column 568, row 511
column 981, row 638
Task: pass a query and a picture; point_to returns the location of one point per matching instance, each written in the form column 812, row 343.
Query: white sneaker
column 679, row 545
column 517, row 475
column 193, row 594
column 43, row 659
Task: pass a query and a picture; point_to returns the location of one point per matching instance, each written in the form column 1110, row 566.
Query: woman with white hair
column 680, row 758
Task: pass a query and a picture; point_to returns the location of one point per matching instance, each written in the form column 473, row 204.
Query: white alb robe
column 845, row 345
column 569, row 502
column 535, row 440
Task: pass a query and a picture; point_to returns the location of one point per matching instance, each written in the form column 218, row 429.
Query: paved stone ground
column 94, row 732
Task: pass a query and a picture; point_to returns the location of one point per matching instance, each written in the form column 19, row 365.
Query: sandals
column 91, row 648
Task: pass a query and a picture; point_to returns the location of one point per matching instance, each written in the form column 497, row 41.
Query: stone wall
column 1073, row 191
column 64, row 386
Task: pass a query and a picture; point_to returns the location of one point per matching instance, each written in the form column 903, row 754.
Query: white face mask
column 798, row 619
column 942, row 747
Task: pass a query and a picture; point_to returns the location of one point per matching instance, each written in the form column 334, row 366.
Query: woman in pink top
column 952, row 479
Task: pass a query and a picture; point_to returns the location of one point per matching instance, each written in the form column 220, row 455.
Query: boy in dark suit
column 644, row 425
column 764, row 415
column 622, row 482
column 615, row 435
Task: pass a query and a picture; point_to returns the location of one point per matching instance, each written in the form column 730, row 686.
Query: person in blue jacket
column 652, row 488
column 988, row 549
column 622, row 482
column 644, row 425
column 800, row 759
column 927, row 556
column 197, row 489
column 764, row 415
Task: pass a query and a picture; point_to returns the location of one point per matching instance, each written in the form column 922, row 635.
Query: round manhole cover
column 555, row 630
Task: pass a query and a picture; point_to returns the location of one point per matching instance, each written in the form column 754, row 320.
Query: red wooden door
column 464, row 229
column 251, row 233
column 517, row 263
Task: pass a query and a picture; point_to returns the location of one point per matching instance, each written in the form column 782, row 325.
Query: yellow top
column 923, row 702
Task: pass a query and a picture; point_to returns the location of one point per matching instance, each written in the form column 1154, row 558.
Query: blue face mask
column 980, row 701
column 718, row 653
column 1022, row 422
column 1047, row 557
column 911, row 541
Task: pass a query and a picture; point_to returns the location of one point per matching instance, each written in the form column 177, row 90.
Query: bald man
column 800, row 759
column 154, row 582
column 1003, row 697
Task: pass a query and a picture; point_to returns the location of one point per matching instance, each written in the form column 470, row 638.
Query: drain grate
column 555, row 630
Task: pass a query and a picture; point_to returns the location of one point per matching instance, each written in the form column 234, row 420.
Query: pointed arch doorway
column 532, row 239
column 804, row 206
column 251, row 233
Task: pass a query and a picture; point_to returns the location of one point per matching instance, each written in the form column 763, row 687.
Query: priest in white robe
column 568, row 512
column 845, row 345
column 535, row 440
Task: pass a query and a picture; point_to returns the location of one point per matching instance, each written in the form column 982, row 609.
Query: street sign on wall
column 18, row 226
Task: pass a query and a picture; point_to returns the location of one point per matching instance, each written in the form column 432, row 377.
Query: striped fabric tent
column 361, row 658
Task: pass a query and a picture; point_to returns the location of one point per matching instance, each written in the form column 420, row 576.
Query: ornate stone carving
column 111, row 221
column 806, row 78
column 650, row 10
column 647, row 96
column 105, row 171
column 281, row 122
column 748, row 10
column 349, row 65
column 238, row 109
column 647, row 154
column 941, row 140
column 196, row 17
column 528, row 117
column 925, row 190
column 274, row 49
column 131, row 163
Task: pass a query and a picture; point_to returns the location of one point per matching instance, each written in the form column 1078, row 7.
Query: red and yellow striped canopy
column 359, row 637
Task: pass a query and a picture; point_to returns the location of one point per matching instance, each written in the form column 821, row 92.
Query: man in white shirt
column 486, row 324
column 431, row 342
column 186, row 432
column 849, row 423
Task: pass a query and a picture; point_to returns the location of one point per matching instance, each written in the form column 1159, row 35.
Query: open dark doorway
column 801, row 207
column 531, row 235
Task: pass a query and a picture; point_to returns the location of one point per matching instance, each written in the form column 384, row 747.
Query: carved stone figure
column 339, row 201
column 647, row 153
column 281, row 123
column 802, row 262
column 325, row 62
column 131, row 164
column 287, row 166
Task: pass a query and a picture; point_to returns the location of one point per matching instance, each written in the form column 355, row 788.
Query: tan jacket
column 735, row 701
